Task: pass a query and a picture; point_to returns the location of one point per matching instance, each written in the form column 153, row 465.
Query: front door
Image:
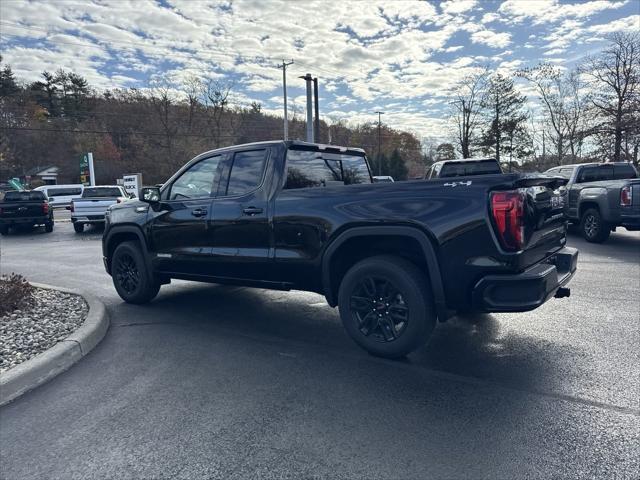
column 240, row 221
column 180, row 233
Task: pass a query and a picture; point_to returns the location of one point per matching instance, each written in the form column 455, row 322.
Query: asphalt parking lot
column 223, row 382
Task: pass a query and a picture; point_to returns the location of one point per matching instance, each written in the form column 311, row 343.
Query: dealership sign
column 132, row 183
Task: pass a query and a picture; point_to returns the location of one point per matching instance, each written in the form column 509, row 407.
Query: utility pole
column 309, row 79
column 379, row 156
column 316, row 122
column 284, row 89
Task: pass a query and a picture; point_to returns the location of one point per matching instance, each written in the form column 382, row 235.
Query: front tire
column 386, row 306
column 132, row 280
column 78, row 227
column 593, row 228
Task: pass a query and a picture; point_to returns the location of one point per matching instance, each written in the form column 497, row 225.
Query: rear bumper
column 527, row 290
column 9, row 222
column 630, row 221
column 88, row 219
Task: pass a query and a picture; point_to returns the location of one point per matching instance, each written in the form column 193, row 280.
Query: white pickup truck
column 92, row 206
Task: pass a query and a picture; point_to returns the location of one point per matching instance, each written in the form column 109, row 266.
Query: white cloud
column 491, row 38
column 543, row 11
column 458, row 6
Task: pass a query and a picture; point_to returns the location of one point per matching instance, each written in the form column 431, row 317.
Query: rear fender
column 427, row 248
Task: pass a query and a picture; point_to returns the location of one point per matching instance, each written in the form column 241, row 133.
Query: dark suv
column 395, row 257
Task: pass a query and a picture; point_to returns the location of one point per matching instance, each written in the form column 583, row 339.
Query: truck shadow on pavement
column 471, row 346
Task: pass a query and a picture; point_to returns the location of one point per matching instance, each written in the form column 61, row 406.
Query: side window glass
column 246, row 171
column 318, row 169
column 197, row 182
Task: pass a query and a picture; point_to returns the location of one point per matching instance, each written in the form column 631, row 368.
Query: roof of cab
column 287, row 144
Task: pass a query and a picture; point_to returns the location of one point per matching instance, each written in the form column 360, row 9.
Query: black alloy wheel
column 386, row 305
column 131, row 277
column 379, row 309
column 127, row 274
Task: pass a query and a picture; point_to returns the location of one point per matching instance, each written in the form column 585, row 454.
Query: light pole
column 309, row 79
column 284, row 88
column 379, row 157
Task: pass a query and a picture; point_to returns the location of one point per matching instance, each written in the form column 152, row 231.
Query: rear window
column 101, row 192
column 64, row 192
column 595, row 173
column 621, row 172
column 307, row 169
column 461, row 168
column 24, row 196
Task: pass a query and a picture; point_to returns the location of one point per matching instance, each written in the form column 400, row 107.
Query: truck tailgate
column 93, row 206
column 11, row 210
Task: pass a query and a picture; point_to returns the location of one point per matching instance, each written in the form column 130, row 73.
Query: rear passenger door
column 240, row 220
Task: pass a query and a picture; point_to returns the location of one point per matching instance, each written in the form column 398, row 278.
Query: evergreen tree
column 503, row 106
column 397, row 168
column 8, row 85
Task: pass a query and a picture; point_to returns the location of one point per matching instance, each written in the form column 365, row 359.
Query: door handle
column 251, row 211
column 198, row 212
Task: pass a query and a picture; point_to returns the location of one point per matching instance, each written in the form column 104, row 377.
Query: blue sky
column 402, row 57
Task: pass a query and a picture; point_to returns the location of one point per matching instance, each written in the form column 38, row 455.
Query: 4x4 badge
column 455, row 184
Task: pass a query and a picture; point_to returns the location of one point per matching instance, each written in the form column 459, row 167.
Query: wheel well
column 586, row 206
column 116, row 239
column 358, row 248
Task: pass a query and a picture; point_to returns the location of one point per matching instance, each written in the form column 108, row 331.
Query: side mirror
column 150, row 194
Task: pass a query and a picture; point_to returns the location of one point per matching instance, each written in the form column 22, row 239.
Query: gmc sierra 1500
column 395, row 257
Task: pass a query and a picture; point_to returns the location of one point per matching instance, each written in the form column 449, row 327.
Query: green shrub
column 15, row 292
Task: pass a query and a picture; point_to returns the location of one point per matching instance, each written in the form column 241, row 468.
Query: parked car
column 90, row 208
column 463, row 168
column 601, row 197
column 61, row 195
column 26, row 209
column 382, row 179
column 395, row 257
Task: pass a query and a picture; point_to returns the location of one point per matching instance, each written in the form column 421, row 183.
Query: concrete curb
column 46, row 365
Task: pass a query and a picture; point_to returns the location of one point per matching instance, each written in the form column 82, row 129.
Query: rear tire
column 386, row 306
column 48, row 227
column 78, row 227
column 130, row 276
column 593, row 228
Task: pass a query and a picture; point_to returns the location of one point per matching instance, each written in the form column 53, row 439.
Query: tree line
column 589, row 113
column 155, row 130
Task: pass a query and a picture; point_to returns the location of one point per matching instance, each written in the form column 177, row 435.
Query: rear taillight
column 626, row 196
column 507, row 210
column 45, row 208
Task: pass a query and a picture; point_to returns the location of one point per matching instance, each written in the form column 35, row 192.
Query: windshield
column 101, row 192
column 23, row 196
column 461, row 168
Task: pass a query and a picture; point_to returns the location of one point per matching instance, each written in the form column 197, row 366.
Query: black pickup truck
column 601, row 197
column 26, row 209
column 395, row 257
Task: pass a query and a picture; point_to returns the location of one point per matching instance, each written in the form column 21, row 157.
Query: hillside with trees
column 57, row 119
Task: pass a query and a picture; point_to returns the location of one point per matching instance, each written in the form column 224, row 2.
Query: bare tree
column 215, row 98
column 615, row 76
column 467, row 109
column 564, row 104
